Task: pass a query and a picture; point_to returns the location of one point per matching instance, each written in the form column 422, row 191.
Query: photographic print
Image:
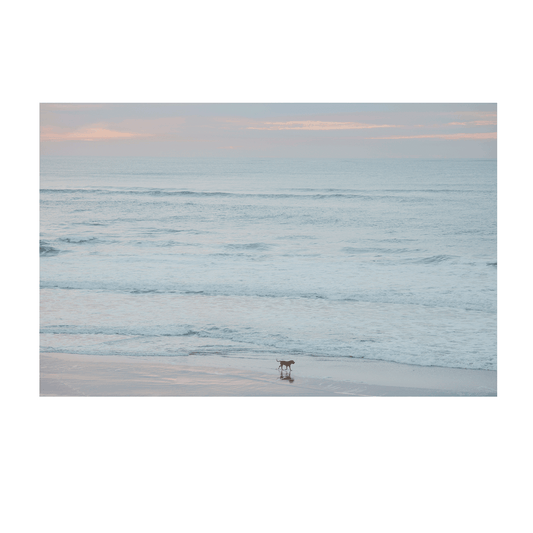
column 327, row 249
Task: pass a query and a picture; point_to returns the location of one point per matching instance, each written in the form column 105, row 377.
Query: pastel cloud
column 87, row 134
column 317, row 125
column 451, row 136
column 474, row 123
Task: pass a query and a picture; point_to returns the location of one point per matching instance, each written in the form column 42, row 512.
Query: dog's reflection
column 286, row 376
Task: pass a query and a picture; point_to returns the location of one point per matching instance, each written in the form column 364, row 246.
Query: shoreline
column 64, row 374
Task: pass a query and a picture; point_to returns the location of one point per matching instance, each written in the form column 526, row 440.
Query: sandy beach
column 85, row 375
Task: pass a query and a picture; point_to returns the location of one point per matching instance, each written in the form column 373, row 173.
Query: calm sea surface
column 323, row 260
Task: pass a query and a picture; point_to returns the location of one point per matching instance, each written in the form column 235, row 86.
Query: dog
column 286, row 364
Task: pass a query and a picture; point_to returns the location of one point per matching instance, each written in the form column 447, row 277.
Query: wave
column 149, row 331
column 45, row 250
column 140, row 333
column 240, row 342
column 145, row 291
column 374, row 195
column 352, row 250
column 78, row 240
column 431, row 299
column 435, row 259
column 297, row 237
column 264, row 352
column 249, row 246
column 233, row 339
column 161, row 244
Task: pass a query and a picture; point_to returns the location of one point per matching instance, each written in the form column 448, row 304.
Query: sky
column 269, row 130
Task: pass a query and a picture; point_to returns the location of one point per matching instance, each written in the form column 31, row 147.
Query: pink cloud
column 317, row 125
column 451, row 136
column 125, row 129
column 87, row 134
column 474, row 123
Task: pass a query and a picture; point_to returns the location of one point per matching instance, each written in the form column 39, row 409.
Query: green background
column 260, row 474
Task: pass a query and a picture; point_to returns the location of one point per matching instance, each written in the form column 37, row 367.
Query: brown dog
column 286, row 364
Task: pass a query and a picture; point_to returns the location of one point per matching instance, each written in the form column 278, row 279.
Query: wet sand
column 85, row 375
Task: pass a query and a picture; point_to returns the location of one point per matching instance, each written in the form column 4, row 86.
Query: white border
column 30, row 96
column 18, row 371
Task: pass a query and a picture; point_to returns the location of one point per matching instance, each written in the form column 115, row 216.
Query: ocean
column 245, row 261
